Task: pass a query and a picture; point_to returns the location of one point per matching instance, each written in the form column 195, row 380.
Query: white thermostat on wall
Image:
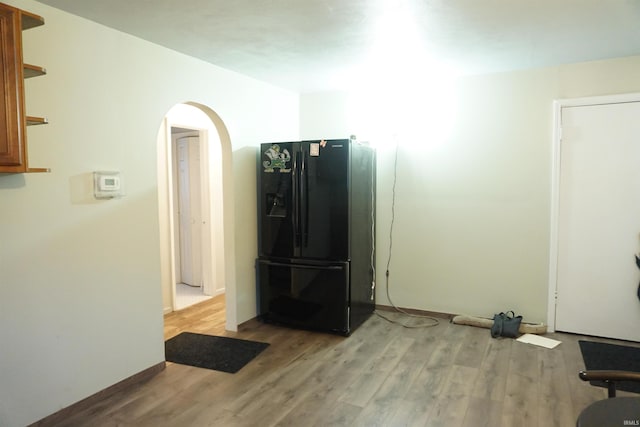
column 107, row 185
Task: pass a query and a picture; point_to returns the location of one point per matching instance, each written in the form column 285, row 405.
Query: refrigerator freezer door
column 324, row 200
column 304, row 296
column 278, row 207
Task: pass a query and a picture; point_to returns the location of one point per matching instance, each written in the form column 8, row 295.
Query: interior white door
column 599, row 221
column 195, row 199
column 184, row 212
column 189, row 200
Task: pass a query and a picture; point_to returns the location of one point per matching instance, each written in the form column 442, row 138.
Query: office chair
column 614, row 411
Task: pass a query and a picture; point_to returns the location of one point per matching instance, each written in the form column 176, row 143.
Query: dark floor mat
column 211, row 352
column 604, row 356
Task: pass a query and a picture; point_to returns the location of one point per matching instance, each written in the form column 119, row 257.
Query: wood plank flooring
column 382, row 375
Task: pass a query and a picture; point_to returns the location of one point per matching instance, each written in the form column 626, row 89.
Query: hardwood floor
column 382, row 375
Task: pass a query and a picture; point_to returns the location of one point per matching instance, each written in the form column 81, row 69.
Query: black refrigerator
column 316, row 228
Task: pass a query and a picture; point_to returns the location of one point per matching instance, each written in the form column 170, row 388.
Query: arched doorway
column 218, row 260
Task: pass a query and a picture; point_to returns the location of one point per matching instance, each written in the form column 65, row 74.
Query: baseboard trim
column 439, row 315
column 251, row 323
column 65, row 413
column 448, row 316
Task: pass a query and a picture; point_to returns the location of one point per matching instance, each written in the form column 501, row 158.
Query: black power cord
column 432, row 320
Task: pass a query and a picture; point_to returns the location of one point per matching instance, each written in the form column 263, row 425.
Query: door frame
column 556, row 164
column 217, row 138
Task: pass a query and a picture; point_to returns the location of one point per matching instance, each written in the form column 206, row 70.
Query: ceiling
column 313, row 45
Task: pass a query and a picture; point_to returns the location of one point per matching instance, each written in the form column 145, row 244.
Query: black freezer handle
column 295, row 182
column 304, row 199
column 304, row 266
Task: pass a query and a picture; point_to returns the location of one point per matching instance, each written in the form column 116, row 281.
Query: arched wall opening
column 218, row 231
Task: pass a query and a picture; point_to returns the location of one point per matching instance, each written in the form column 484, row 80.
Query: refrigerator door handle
column 304, row 200
column 303, row 266
column 295, row 183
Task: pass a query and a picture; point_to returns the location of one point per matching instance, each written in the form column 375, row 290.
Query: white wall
column 472, row 205
column 80, row 294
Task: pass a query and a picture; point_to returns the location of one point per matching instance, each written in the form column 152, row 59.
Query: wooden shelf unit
column 13, row 71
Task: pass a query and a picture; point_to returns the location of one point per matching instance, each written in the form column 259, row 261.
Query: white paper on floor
column 538, row 340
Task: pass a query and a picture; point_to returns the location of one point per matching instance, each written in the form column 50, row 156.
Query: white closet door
column 599, row 221
column 190, row 211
